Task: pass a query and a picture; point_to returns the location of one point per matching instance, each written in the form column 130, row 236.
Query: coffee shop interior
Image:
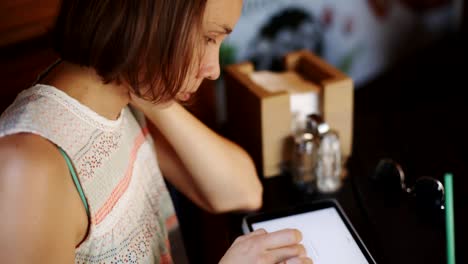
column 378, row 87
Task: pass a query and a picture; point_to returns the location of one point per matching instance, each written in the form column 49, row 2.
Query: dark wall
column 22, row 20
column 465, row 19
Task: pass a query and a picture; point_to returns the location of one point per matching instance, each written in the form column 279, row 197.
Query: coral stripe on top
column 123, row 184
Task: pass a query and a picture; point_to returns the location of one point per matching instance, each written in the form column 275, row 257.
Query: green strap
column 75, row 180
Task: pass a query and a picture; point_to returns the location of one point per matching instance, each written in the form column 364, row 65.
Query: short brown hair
column 142, row 42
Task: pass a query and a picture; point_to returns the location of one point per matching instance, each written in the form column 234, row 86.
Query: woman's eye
column 210, row 40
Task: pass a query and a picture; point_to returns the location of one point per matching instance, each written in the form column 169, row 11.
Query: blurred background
column 363, row 38
column 360, row 37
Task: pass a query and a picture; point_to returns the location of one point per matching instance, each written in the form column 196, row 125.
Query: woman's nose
column 213, row 72
column 211, row 69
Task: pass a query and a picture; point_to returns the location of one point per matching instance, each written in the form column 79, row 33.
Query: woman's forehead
column 223, row 13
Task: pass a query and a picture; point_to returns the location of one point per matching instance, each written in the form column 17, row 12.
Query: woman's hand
column 260, row 247
column 145, row 105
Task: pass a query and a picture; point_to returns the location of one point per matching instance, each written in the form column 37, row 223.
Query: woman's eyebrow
column 225, row 29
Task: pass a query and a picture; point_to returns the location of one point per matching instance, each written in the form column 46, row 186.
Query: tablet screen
column 325, row 236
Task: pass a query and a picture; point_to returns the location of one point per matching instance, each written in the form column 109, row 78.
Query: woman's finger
column 257, row 232
column 281, row 238
column 287, row 253
column 299, row 260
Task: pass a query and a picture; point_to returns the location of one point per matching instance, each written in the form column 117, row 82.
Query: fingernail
column 298, row 235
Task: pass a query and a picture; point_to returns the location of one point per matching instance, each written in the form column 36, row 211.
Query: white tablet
column 328, row 235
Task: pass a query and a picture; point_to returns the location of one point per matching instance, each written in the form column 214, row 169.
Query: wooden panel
column 25, row 19
column 20, row 68
column 24, row 49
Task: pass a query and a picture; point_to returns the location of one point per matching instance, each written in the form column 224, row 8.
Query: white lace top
column 131, row 211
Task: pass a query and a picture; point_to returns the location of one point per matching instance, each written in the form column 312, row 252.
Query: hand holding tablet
column 328, row 236
column 259, row 246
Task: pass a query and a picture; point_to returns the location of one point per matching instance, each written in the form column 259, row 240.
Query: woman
column 81, row 178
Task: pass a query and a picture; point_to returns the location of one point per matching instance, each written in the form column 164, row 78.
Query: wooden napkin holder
column 259, row 120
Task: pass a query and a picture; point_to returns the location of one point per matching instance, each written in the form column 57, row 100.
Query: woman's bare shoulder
column 32, row 166
column 39, row 196
column 27, row 153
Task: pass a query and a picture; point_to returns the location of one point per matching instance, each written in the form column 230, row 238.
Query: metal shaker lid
column 317, row 125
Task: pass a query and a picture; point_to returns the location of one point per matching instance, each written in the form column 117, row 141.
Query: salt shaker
column 328, row 159
column 328, row 168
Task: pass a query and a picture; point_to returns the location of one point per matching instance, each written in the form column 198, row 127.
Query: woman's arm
column 211, row 170
column 42, row 217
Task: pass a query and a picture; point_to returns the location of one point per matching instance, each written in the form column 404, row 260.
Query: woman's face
column 218, row 21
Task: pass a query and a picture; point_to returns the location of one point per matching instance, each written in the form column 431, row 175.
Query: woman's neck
column 86, row 86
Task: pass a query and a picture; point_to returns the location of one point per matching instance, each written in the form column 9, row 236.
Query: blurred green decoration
column 227, row 54
column 346, row 63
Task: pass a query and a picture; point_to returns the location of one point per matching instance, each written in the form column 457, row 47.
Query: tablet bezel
column 304, row 208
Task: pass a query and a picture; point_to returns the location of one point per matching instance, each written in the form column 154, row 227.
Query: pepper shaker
column 304, row 161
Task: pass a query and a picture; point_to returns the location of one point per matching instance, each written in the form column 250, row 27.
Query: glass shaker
column 304, row 161
column 328, row 168
column 328, row 165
